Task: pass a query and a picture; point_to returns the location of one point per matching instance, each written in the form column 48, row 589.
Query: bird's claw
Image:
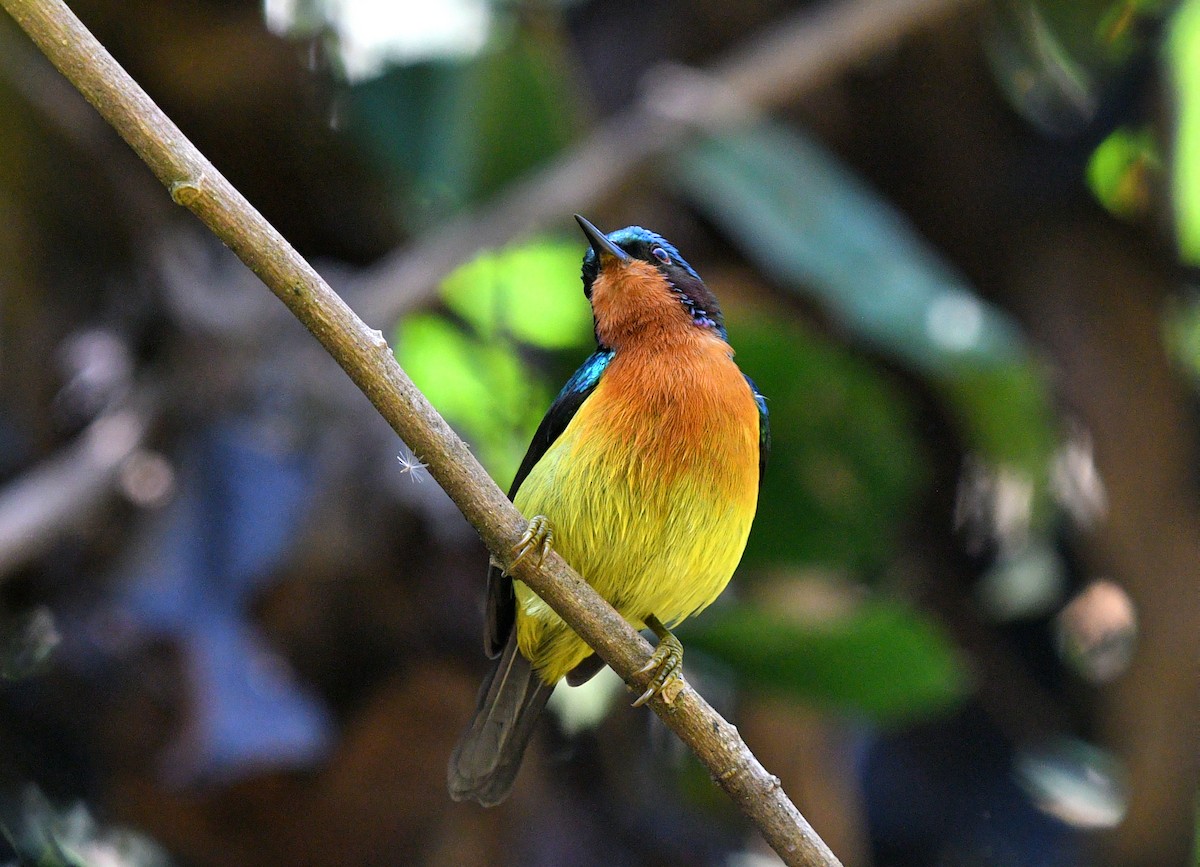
column 537, row 540
column 666, row 662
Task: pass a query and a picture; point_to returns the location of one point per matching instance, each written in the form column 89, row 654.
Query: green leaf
column 454, row 132
column 885, row 661
column 1184, row 60
column 530, row 291
column 522, row 105
column 1119, row 170
column 412, row 120
column 483, row 388
column 1005, row 414
column 473, row 372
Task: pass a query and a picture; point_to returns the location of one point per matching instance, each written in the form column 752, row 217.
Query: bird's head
column 640, row 288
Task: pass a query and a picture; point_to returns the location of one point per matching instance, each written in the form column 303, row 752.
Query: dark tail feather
column 487, row 758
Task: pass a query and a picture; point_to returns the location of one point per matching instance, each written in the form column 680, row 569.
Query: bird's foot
column 666, row 663
column 536, row 541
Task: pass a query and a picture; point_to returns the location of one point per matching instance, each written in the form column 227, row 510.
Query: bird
column 643, row 475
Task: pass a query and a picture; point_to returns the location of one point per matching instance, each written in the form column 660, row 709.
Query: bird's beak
column 605, row 249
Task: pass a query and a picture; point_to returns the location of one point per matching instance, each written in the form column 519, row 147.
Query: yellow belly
column 651, row 494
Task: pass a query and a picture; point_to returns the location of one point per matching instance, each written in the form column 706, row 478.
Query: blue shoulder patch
column 585, row 378
column 764, row 428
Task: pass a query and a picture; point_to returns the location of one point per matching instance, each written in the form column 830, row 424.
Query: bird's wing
column 501, row 601
column 764, row 430
column 578, row 388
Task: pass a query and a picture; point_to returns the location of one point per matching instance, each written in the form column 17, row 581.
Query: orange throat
column 633, row 302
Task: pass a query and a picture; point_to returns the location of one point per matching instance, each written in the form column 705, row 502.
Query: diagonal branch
column 367, row 359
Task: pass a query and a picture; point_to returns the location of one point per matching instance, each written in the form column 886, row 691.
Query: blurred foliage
column 1055, row 59
column 1005, row 414
column 27, row 643
column 43, row 836
column 1184, row 55
column 1071, row 68
column 472, row 367
column 1096, row 33
column 455, row 131
column 1182, row 335
column 817, row 229
column 1071, row 777
column 1120, row 170
column 530, row 291
column 883, row 660
column 845, row 461
column 480, row 386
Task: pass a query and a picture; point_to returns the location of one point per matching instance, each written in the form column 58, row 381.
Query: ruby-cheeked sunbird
column 644, row 476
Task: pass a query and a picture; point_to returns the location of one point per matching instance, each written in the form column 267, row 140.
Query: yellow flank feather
column 651, row 490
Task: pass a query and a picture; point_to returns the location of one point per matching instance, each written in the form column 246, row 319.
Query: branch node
column 187, row 192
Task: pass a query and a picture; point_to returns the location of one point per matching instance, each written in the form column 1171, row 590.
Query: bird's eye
column 660, row 254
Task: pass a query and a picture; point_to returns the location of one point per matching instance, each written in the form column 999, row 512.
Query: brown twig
column 795, row 56
column 365, row 356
